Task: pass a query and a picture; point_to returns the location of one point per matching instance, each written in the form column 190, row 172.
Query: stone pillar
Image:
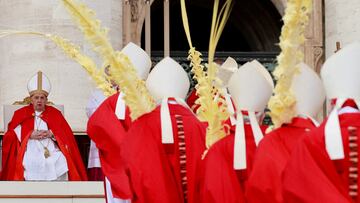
column 341, row 23
column 314, row 44
column 23, row 56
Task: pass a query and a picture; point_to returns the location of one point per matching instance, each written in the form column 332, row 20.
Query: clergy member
column 163, row 148
column 228, row 163
column 107, row 128
column 324, row 167
column 97, row 98
column 274, row 150
column 39, row 143
column 94, row 167
column 226, row 69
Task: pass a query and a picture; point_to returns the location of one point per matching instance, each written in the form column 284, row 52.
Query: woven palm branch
column 212, row 107
column 282, row 103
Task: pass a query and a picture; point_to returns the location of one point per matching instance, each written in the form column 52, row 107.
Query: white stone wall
column 23, row 56
column 341, row 23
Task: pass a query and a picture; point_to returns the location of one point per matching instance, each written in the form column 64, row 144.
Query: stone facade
column 341, row 23
column 22, row 56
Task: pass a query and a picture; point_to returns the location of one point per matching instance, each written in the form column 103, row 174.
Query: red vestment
column 164, row 173
column 310, row 176
column 108, row 132
column 14, row 150
column 220, row 182
column 191, row 99
column 272, row 154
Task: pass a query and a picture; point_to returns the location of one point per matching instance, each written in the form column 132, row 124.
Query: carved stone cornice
column 134, row 8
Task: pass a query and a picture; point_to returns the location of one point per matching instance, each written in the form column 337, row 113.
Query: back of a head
column 250, row 87
column 340, row 73
column 168, row 79
column 139, row 58
column 308, row 90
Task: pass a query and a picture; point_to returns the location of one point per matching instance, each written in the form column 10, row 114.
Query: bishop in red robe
column 228, row 162
column 163, row 148
column 311, row 176
column 108, row 125
column 324, row 167
column 220, row 182
column 24, row 154
column 275, row 149
column 108, row 132
column 164, row 172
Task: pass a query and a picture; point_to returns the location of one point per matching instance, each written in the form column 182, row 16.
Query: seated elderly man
column 39, row 143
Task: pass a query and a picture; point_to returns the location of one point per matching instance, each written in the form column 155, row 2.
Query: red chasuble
column 164, row 172
column 107, row 131
column 221, row 183
column 310, row 176
column 272, row 154
column 14, row 150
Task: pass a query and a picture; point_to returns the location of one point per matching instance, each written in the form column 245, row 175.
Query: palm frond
column 73, row 52
column 122, row 70
column 282, row 104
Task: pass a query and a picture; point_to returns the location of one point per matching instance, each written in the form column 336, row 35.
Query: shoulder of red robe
column 20, row 115
column 53, row 110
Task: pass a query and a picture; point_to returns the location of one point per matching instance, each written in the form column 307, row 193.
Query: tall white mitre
column 142, row 64
column 39, row 83
column 139, row 58
column 226, row 70
column 309, row 92
column 168, row 79
column 250, row 87
column 340, row 75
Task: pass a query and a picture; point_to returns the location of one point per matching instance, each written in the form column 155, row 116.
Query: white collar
column 38, row 113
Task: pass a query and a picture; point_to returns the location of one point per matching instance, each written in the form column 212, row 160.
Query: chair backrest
column 10, row 109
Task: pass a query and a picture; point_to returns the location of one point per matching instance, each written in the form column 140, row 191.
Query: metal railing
column 268, row 59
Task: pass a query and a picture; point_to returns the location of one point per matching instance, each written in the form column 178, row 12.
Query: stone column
column 23, row 56
column 341, row 23
column 314, row 44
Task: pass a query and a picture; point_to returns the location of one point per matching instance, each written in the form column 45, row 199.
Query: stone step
column 51, row 192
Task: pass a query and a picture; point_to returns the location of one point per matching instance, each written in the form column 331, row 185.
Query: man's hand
column 36, row 135
column 41, row 134
column 47, row 134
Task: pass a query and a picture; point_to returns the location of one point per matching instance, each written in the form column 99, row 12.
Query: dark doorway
column 253, row 26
